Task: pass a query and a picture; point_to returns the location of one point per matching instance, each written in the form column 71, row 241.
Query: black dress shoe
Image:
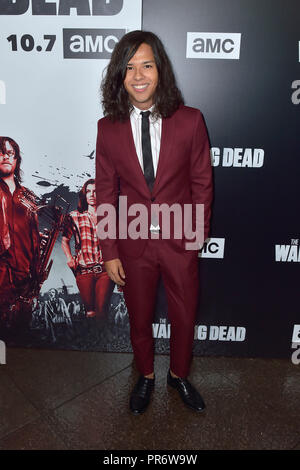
column 188, row 393
column 140, row 396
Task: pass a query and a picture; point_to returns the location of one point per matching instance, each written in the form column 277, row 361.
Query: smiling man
column 153, row 150
column 141, row 78
column 19, row 241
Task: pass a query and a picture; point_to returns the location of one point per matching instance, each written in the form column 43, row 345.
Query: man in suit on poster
column 152, row 151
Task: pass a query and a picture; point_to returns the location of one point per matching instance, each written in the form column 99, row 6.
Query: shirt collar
column 136, row 112
column 4, row 185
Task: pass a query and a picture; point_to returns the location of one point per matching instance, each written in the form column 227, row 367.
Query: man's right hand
column 115, row 271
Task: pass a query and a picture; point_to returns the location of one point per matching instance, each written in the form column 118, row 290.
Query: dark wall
column 247, row 103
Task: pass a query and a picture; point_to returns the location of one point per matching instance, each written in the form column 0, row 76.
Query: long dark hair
column 82, row 204
column 15, row 146
column 115, row 100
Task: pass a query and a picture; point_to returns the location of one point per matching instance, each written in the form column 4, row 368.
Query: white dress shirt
column 155, row 135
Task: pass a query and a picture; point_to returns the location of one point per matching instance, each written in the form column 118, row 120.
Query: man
column 159, row 160
column 57, row 317
column 19, row 241
column 87, row 264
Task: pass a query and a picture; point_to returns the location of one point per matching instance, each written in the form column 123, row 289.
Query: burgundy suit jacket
column 184, row 174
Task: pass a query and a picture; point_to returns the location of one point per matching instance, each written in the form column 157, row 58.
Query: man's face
column 8, row 161
column 91, row 195
column 141, row 78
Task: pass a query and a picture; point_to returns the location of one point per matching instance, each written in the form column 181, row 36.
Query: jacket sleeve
column 106, row 196
column 201, row 171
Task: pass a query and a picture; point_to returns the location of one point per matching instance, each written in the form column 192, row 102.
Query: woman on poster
column 92, row 280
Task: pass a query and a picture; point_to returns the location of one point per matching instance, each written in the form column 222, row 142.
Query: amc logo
column 213, row 45
column 213, row 248
column 90, row 43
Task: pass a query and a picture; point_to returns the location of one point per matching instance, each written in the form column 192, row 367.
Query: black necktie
column 146, row 148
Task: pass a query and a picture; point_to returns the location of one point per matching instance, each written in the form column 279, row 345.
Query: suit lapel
column 133, row 160
column 167, row 135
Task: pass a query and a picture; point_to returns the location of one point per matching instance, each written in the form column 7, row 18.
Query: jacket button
column 152, row 199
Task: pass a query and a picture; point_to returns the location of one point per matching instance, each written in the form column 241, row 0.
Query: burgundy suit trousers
column 179, row 271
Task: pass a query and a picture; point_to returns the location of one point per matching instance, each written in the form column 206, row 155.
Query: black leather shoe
column 188, row 393
column 140, row 396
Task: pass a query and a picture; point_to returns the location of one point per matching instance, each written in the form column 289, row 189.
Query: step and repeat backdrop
column 239, row 63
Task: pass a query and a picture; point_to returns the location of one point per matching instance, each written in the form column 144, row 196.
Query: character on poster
column 91, row 277
column 57, row 317
column 19, row 241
